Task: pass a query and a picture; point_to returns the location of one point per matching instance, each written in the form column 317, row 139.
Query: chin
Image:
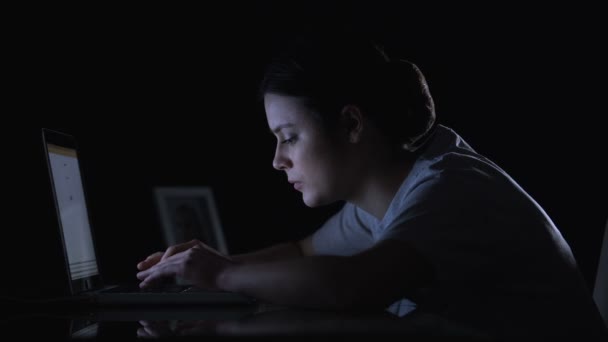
column 315, row 200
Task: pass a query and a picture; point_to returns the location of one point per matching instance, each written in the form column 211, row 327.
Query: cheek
column 324, row 185
column 319, row 160
column 324, row 166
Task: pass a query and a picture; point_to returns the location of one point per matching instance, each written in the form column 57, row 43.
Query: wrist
column 224, row 279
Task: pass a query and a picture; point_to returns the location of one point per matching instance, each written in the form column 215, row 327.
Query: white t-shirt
column 500, row 263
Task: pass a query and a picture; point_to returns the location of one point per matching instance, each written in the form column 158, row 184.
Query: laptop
column 79, row 248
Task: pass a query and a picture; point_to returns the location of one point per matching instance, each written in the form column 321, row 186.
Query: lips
column 296, row 184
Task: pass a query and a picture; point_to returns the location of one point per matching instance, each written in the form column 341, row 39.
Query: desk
column 72, row 321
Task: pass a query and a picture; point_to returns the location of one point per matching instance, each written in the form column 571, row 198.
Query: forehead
column 281, row 110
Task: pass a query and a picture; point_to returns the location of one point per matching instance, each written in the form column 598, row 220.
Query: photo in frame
column 188, row 213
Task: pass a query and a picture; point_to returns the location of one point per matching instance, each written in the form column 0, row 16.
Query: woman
column 428, row 224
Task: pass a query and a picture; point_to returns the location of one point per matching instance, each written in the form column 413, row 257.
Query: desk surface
column 51, row 321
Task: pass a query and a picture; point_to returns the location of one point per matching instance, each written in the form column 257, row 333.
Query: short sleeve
column 449, row 220
column 345, row 233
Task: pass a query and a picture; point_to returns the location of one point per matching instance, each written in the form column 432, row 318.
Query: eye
column 289, row 141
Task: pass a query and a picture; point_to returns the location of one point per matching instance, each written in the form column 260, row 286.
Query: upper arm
column 346, row 233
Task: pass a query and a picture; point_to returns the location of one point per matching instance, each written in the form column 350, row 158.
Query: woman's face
column 315, row 163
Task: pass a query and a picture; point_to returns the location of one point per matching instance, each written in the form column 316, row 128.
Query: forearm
column 372, row 279
column 278, row 252
column 323, row 282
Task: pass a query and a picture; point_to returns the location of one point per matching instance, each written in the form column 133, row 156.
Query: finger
column 150, row 332
column 141, row 332
column 150, row 261
column 156, row 274
column 179, row 248
column 169, row 268
column 163, row 263
column 146, row 273
column 143, row 274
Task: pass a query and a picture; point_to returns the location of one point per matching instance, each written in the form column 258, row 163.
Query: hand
column 155, row 329
column 194, row 262
column 157, row 257
column 162, row 329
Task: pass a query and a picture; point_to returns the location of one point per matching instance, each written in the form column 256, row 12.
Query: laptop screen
column 70, row 203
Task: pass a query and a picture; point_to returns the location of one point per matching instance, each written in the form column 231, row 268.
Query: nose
column 280, row 161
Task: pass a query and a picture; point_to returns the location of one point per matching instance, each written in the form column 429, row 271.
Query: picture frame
column 187, row 213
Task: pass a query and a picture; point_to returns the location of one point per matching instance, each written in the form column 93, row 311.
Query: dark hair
column 333, row 70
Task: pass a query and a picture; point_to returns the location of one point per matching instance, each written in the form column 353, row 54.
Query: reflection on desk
column 290, row 322
column 265, row 320
column 224, row 321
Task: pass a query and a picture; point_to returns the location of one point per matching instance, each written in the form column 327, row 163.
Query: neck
column 377, row 192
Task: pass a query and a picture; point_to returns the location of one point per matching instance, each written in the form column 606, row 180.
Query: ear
column 351, row 119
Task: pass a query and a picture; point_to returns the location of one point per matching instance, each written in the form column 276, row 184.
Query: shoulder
column 450, row 183
column 448, row 151
column 449, row 163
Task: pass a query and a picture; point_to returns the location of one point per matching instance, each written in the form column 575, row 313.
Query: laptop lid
column 78, row 245
column 72, row 212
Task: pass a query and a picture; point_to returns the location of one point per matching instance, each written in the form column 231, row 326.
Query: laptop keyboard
column 161, row 289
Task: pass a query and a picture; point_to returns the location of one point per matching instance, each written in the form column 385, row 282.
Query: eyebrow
column 280, row 127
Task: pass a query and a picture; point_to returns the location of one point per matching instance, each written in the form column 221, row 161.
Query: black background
column 167, row 96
